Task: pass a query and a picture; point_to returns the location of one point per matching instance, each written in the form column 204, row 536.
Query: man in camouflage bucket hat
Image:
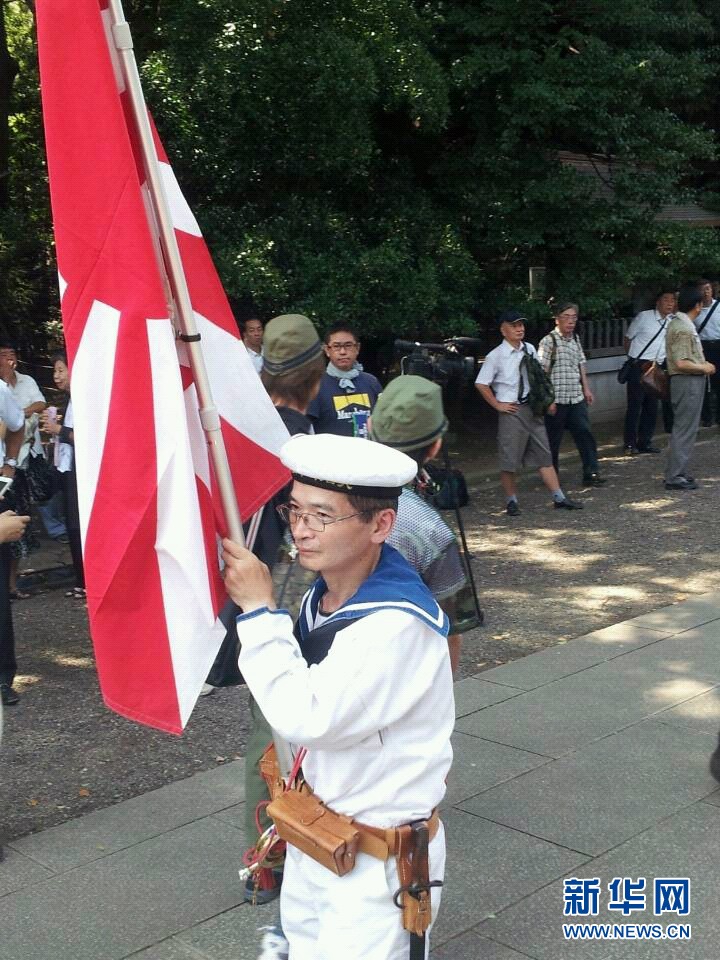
column 409, row 416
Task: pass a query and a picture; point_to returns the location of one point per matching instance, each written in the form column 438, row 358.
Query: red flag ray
column 148, row 505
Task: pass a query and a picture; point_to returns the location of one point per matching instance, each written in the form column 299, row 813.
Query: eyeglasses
column 348, row 345
column 311, row 520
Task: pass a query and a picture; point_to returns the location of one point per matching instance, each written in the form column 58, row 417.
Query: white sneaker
column 207, row 689
column 274, row 945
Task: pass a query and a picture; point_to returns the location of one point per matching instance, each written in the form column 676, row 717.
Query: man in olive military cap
column 409, row 416
column 293, row 367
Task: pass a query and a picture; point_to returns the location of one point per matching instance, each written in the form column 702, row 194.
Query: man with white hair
column 364, row 684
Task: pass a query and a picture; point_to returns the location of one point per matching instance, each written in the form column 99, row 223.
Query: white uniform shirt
column 257, row 359
column 11, row 412
column 501, row 371
column 642, row 330
column 712, row 327
column 26, row 391
column 375, row 715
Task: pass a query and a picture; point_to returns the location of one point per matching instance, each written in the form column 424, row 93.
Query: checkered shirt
column 565, row 356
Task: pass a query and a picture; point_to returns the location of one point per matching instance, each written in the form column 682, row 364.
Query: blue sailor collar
column 393, row 585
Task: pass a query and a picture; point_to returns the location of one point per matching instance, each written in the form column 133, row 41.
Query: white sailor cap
column 348, row 465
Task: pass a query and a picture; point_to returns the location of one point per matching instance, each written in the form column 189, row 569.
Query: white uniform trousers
column 325, row 917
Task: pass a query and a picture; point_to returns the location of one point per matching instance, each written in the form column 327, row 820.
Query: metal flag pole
column 175, row 272
column 185, row 317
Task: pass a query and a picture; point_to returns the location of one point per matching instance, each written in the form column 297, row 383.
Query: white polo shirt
column 26, row 392
column 642, row 330
column 257, row 359
column 501, row 371
column 711, row 330
column 10, row 412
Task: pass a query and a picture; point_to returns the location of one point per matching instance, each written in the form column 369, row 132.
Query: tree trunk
column 8, row 72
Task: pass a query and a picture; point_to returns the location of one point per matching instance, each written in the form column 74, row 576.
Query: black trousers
column 711, row 349
column 575, row 418
column 8, row 664
column 68, row 482
column 641, row 416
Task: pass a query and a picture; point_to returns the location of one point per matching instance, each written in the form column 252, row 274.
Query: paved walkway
column 585, row 760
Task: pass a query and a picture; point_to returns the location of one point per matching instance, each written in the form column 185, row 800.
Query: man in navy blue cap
column 522, row 437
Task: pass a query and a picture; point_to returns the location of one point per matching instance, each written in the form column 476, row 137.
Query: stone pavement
column 588, row 760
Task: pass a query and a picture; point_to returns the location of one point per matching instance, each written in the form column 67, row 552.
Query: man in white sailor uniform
column 364, row 684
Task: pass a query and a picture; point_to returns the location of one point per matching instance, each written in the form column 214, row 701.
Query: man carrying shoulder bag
column 645, row 344
column 708, row 328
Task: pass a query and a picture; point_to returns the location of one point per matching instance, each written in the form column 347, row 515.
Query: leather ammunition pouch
column 329, row 838
column 334, row 840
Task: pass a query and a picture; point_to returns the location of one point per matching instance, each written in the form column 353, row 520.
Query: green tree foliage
column 28, row 281
column 397, row 163
column 616, row 81
column 315, row 194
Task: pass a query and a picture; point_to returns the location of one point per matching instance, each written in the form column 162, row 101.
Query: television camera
column 453, row 360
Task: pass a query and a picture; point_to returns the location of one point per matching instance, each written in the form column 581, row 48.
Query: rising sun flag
column 150, row 506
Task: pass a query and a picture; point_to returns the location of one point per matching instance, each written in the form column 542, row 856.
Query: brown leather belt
column 375, row 841
column 383, row 844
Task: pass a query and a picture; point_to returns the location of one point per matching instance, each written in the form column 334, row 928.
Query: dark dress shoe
column 682, row 484
column 512, row 509
column 594, row 480
column 630, row 451
column 649, row 449
column 567, row 505
column 8, row 695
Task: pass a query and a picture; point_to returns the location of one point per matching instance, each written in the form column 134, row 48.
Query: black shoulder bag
column 630, row 372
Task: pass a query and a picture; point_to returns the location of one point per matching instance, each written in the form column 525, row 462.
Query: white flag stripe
column 91, row 388
column 62, row 285
column 241, row 399
column 193, row 631
column 198, row 440
column 182, row 216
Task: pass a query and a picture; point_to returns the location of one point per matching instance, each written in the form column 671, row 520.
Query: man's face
column 342, row 349
column 253, row 336
column 666, row 304
column 8, row 364
column 514, row 332
column 706, row 290
column 567, row 321
column 339, row 545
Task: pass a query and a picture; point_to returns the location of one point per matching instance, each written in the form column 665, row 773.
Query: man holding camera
column 522, row 437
